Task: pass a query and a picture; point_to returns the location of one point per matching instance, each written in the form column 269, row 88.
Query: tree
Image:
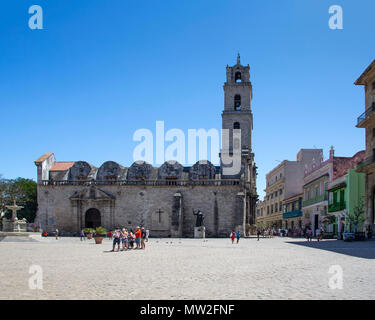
column 328, row 220
column 24, row 192
column 358, row 215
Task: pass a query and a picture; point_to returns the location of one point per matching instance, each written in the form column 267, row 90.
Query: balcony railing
column 314, row 200
column 364, row 115
column 292, row 214
column 212, row 182
column 337, row 206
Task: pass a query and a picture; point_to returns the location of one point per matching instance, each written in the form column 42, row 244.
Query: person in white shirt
column 317, row 233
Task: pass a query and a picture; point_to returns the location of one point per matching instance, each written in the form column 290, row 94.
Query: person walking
column 317, row 233
column 147, row 234
column 83, row 236
column 233, row 236
column 57, row 234
column 238, row 236
column 116, row 240
column 258, row 233
column 143, row 238
column 309, row 234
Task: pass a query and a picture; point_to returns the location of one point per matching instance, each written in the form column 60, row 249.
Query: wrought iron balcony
column 366, row 114
column 316, row 199
column 292, row 214
column 337, row 206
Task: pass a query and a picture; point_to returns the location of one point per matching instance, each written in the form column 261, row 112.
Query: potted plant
column 89, row 232
column 99, row 235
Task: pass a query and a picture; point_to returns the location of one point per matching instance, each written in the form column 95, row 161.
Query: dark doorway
column 316, row 224
column 92, row 218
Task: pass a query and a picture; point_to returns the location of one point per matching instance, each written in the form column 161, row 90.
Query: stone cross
column 159, row 211
column 14, row 208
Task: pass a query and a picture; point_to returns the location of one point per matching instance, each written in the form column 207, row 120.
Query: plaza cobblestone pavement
column 277, row 268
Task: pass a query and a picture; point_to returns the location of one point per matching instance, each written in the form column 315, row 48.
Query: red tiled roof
column 62, row 166
column 44, row 157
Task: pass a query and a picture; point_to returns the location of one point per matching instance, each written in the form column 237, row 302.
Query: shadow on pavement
column 359, row 249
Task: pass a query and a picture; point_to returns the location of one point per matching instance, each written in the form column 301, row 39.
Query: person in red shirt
column 138, row 234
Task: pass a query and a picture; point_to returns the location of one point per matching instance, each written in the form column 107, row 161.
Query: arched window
column 236, row 125
column 237, row 102
column 237, row 77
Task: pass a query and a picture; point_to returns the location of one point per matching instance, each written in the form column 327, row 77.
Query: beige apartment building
column 283, row 182
column 367, row 121
column 260, row 210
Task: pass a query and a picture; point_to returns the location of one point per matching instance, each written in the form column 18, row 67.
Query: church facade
column 74, row 195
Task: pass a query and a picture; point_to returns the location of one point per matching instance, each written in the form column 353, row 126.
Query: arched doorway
column 92, row 218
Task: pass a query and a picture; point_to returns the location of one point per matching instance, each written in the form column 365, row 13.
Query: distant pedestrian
column 83, row 236
column 317, row 233
column 143, row 238
column 138, row 234
column 57, row 234
column 309, row 234
column 233, row 236
column 238, row 236
column 124, row 239
column 131, row 239
column 116, row 240
column 147, row 234
column 258, row 233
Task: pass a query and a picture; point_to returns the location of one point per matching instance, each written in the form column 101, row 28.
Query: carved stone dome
column 139, row 170
column 110, row 170
column 202, row 170
column 170, row 170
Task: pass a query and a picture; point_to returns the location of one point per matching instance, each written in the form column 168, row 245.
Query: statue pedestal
column 200, row 232
column 14, row 226
column 20, row 225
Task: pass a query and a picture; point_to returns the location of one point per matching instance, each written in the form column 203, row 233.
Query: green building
column 346, row 203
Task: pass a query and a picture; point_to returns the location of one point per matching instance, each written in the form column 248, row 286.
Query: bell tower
column 238, row 93
column 237, row 118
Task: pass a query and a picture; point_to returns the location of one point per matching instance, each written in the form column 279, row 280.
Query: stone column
column 216, row 218
column 240, row 212
column 177, row 216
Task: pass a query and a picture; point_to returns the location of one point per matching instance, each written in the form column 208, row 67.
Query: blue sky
column 100, row 70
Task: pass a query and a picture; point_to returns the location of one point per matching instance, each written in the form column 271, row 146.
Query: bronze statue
column 200, row 218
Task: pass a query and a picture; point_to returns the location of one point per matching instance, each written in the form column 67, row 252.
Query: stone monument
column 13, row 224
column 200, row 229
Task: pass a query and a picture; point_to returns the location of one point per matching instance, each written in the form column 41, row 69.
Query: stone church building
column 73, row 195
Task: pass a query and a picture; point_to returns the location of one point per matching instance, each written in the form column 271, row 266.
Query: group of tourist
column 265, row 233
column 307, row 233
column 234, row 235
column 129, row 240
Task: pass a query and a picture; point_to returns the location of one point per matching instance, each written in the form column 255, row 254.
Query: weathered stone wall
column 64, row 207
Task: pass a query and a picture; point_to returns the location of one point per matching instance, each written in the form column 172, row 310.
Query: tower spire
column 238, row 58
